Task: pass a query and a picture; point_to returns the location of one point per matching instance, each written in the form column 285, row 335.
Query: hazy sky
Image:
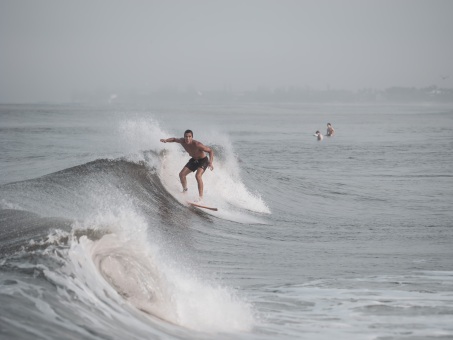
column 49, row 49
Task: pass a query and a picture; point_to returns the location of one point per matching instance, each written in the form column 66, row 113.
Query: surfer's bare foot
column 184, row 190
column 199, row 199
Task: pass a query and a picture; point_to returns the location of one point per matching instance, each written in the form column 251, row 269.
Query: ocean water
column 347, row 238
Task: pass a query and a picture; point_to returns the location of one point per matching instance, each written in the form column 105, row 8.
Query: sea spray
column 143, row 276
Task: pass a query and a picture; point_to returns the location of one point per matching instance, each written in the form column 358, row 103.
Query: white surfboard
column 202, row 206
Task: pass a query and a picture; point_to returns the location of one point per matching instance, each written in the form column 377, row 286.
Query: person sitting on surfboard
column 199, row 161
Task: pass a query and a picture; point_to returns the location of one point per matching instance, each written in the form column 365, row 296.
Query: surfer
column 330, row 130
column 199, row 161
column 318, row 135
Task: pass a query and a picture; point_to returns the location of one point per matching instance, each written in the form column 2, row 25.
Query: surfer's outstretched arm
column 171, row 140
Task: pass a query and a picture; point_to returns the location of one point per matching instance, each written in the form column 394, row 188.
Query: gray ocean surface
column 347, row 238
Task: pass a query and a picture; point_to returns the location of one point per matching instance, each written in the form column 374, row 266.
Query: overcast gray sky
column 51, row 48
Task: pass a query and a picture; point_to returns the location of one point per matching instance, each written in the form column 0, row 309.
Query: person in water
column 330, row 130
column 199, row 161
column 318, row 135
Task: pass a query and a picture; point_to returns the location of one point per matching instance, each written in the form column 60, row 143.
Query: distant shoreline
column 430, row 94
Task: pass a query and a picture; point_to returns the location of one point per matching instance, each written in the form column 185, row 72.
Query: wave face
column 104, row 248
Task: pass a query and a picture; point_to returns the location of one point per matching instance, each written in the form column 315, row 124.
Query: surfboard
column 201, row 206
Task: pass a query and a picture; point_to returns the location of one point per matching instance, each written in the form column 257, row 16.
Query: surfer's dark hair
column 188, row 131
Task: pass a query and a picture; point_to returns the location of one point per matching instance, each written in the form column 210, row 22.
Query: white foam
column 136, row 271
column 206, row 307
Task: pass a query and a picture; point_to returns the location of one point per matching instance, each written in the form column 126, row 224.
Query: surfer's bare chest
column 193, row 150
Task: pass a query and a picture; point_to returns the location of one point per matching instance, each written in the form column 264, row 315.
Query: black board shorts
column 194, row 164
